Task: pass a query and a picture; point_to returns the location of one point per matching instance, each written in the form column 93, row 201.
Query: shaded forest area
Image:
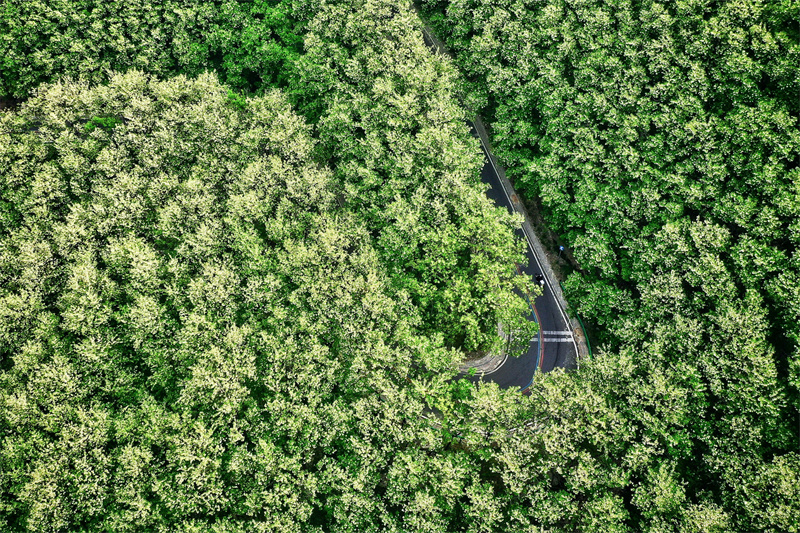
column 243, row 246
column 662, row 140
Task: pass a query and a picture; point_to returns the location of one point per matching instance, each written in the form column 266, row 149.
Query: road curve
column 555, row 346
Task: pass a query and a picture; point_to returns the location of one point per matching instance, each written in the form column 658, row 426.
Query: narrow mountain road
column 555, row 345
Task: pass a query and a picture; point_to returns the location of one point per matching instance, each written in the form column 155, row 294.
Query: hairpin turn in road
column 555, row 346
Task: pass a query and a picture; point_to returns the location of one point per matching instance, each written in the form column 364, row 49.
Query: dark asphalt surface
column 554, row 330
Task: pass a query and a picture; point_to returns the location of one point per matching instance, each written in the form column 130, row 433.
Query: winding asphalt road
column 555, row 345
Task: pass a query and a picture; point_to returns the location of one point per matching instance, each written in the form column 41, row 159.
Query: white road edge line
column 527, row 239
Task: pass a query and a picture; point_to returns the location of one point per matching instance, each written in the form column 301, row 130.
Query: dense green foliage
column 216, row 315
column 391, row 130
column 194, row 335
column 244, row 41
column 662, row 140
column 384, row 111
column 623, row 117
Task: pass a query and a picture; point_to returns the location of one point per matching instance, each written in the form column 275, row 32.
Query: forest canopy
column 626, row 119
column 194, row 334
column 384, row 111
column 662, row 142
column 243, row 246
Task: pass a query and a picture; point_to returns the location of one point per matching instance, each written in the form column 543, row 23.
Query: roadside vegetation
column 662, row 140
column 244, row 246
